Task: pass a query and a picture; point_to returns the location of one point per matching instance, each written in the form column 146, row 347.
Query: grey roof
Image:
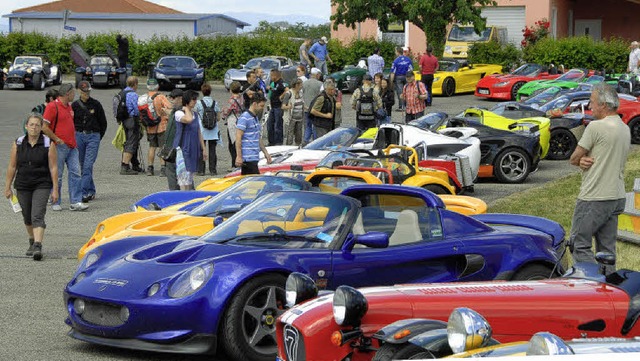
column 125, row 16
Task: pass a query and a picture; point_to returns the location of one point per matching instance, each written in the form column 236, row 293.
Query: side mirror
column 373, row 240
column 241, row 66
column 217, row 221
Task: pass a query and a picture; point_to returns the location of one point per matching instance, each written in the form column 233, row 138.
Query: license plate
column 181, row 85
column 483, row 91
column 15, row 86
column 99, row 73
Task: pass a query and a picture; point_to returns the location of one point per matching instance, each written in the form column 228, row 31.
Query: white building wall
column 140, row 29
column 216, row 26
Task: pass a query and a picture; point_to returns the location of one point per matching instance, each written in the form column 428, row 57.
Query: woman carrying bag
column 188, row 142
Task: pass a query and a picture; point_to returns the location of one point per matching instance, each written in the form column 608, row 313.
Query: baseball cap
column 176, row 93
column 409, row 73
column 84, row 86
column 65, row 88
column 324, row 39
column 367, row 77
column 315, row 71
column 152, row 81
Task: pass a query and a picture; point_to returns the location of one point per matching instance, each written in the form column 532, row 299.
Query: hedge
column 493, row 52
column 220, row 53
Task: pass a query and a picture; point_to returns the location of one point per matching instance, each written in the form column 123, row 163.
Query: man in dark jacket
column 123, row 50
column 323, row 110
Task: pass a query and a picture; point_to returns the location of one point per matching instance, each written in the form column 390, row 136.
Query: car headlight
column 160, row 76
column 88, row 69
column 5, row 70
column 299, row 288
column 91, row 259
column 199, row 75
column 100, row 229
column 545, row 343
column 499, row 85
column 436, row 79
column 113, row 69
column 29, row 71
column 349, row 306
column 348, row 77
column 227, row 76
column 467, row 330
column 447, row 50
column 191, row 281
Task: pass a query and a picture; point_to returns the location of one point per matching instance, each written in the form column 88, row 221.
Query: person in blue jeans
column 320, row 55
column 399, row 69
column 310, row 89
column 91, row 124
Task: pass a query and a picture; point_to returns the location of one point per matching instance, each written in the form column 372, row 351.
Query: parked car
column 458, row 76
column 227, row 288
column 284, row 64
column 506, row 86
column 350, row 77
column 506, row 155
column 100, row 70
column 32, row 71
column 357, row 323
column 175, row 71
column 569, row 80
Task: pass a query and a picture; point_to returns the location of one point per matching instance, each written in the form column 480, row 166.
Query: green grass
column 556, row 200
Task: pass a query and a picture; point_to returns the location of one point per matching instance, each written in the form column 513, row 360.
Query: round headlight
column 88, row 69
column 300, row 288
column 545, row 343
column 467, row 330
column 78, row 306
column 197, row 277
column 153, row 289
column 80, row 277
column 349, row 306
column 191, row 281
column 91, row 259
column 100, row 228
column 124, row 314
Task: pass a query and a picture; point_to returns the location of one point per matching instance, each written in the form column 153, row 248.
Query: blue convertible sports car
column 226, row 289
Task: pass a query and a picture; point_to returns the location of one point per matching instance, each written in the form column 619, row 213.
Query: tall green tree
column 432, row 16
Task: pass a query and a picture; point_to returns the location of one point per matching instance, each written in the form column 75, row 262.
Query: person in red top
column 59, row 127
column 414, row 94
column 428, row 67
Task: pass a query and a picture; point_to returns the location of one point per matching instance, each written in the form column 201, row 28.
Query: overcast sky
column 318, row 8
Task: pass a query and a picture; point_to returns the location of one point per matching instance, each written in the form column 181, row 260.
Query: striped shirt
column 250, row 125
column 411, row 92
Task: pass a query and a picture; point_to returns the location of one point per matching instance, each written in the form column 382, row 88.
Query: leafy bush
column 493, row 52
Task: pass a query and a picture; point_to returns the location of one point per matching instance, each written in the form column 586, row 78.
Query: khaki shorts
column 155, row 140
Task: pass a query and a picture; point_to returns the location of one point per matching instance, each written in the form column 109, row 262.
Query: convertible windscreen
column 102, row 60
column 27, row 61
column 263, row 63
column 335, row 139
column 447, row 66
column 528, row 70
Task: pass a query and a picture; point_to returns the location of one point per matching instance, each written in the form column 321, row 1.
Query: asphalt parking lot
column 32, row 312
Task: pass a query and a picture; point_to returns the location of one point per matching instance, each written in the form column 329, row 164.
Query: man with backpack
column 414, row 94
column 128, row 114
column 366, row 101
column 154, row 110
column 209, row 113
column 91, row 125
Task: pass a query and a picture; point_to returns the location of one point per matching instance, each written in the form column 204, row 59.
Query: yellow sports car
column 458, row 76
column 532, row 124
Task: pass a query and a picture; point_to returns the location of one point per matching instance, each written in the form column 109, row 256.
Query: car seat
column 407, row 229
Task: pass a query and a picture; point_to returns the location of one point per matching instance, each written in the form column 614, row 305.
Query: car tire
column 252, row 312
column 435, row 188
column 634, row 127
column 562, row 144
column 448, row 87
column 58, row 79
column 512, row 166
column 515, row 88
column 532, row 272
column 122, row 80
column 78, row 79
column 405, row 351
column 38, row 82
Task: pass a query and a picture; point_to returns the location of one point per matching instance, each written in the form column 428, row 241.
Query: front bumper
column 490, row 93
column 18, row 82
column 181, row 83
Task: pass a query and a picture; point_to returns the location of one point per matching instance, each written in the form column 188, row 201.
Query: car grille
column 14, row 79
column 100, row 79
column 293, row 344
column 102, row 314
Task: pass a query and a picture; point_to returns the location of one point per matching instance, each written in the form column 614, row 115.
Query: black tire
column 515, row 88
column 78, row 79
column 265, row 297
column 634, row 127
column 38, row 81
column 405, row 351
column 561, row 144
column 58, row 79
column 437, row 189
column 448, row 87
column 122, row 80
column 512, row 166
column 532, row 272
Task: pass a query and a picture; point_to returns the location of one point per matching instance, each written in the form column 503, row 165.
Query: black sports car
column 32, row 71
column 506, row 155
column 100, row 70
column 176, row 71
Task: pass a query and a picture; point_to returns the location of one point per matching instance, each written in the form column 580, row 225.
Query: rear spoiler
column 554, row 229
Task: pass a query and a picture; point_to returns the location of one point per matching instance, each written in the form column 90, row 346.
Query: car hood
column 238, row 74
column 18, row 72
column 179, row 71
column 495, row 79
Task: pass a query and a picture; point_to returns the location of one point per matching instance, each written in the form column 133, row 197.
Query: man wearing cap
column 170, row 166
column 366, row 101
column 634, row 58
column 320, row 55
column 91, row 125
column 155, row 135
column 310, row 89
column 414, row 94
column 59, row 127
column 401, row 66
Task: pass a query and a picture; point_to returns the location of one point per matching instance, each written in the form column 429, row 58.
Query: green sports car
column 350, row 78
column 571, row 79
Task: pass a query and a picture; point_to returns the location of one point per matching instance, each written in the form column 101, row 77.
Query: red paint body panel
column 504, row 92
column 515, row 310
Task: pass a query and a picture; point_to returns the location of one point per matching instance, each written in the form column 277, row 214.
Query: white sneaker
column 78, row 207
column 56, row 207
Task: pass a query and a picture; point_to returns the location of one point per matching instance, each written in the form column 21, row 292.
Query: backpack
column 148, row 115
column 120, row 111
column 209, row 115
column 366, row 107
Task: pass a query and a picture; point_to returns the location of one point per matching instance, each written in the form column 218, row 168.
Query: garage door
column 510, row 17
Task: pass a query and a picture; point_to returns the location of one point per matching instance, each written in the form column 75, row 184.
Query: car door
column 468, row 78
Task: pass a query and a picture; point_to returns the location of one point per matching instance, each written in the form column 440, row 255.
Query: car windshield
column 528, row 70
column 448, row 65
column 595, row 79
column 431, row 121
column 335, row 158
column 244, row 192
column 101, row 60
column 262, row 63
column 560, row 102
column 544, row 97
column 572, row 75
column 177, row 62
column 289, row 220
column 468, row 33
column 335, row 139
column 23, row 60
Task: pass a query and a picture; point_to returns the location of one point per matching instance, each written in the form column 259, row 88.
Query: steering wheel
column 274, row 228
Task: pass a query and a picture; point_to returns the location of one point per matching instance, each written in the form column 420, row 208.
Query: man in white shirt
column 634, row 58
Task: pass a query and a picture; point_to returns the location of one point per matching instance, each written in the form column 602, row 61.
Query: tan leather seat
column 407, row 229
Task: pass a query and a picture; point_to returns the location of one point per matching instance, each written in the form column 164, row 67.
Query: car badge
column 106, row 282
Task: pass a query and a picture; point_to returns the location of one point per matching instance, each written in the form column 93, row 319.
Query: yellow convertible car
column 458, row 76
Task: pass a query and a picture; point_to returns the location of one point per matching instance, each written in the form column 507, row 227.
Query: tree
column 432, row 16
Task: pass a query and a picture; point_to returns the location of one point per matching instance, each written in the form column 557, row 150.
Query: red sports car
column 505, row 86
column 349, row 324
